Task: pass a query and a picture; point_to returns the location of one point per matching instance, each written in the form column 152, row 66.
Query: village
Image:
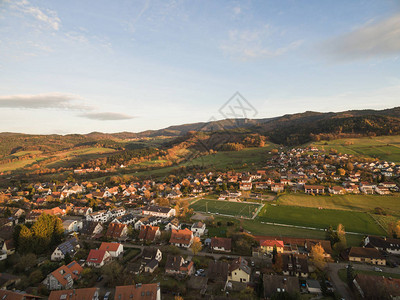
column 144, row 239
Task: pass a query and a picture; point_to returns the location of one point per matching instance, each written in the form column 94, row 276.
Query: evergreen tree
column 25, row 240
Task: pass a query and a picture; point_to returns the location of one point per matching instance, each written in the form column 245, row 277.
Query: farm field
column 365, row 203
column 225, row 207
column 381, row 147
column 320, row 218
column 16, row 165
column 236, row 159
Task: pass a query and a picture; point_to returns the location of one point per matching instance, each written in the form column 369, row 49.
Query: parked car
column 107, row 295
column 376, row 269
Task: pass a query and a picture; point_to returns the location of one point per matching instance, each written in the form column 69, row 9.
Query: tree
column 274, row 253
column 196, row 245
column 350, row 166
column 67, row 258
column 318, row 256
column 350, row 275
column 25, row 240
column 396, row 229
column 277, row 266
column 341, row 172
column 341, row 237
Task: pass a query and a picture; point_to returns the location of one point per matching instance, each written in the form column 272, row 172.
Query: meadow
column 225, row 207
column 381, row 147
column 320, row 218
column 256, row 227
column 365, row 203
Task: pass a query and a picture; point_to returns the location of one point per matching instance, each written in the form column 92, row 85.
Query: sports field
column 365, row 203
column 225, row 207
column 320, row 218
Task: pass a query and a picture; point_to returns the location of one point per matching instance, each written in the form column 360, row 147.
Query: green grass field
column 16, row 165
column 381, row 147
column 343, row 274
column 235, row 159
column 391, row 204
column 255, row 227
column 320, row 218
column 225, row 207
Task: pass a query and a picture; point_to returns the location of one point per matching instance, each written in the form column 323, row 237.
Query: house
column 313, row 286
column 8, row 281
column 125, row 219
column 326, row 245
column 115, row 249
column 158, row 211
column 218, row 271
column 389, row 245
column 268, row 246
column 17, row 295
column 97, row 258
column 294, row 265
column 367, row 188
column 198, row 229
column 117, row 231
column 181, row 238
column 63, row 277
column 75, row 294
column 337, row 190
column 377, row 287
column 245, row 186
column 149, row 233
column 239, row 271
column 91, row 228
column 221, row 244
column 276, row 284
column 151, row 257
column 367, row 255
column 150, row 291
column 82, row 211
column 173, row 224
column 314, row 189
column 176, row 265
column 72, row 225
column 98, row 216
column 277, row 187
column 70, row 247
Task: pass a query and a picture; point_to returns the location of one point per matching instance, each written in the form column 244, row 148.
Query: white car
column 376, row 269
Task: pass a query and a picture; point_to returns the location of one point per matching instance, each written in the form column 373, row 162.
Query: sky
column 79, row 66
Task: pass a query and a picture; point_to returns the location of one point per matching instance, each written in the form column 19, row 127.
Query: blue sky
column 78, row 66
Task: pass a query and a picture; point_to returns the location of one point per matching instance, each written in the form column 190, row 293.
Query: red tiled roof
column 181, row 236
column 272, row 243
column 96, row 256
column 109, row 246
column 75, row 294
column 138, row 291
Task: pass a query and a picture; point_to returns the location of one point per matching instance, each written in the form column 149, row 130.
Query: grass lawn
column 382, row 147
column 343, row 274
column 391, row 204
column 225, row 207
column 320, row 218
column 21, row 153
column 255, row 227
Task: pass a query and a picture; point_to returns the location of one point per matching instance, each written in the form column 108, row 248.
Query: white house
column 158, row 211
column 198, row 229
column 115, row 249
column 70, row 247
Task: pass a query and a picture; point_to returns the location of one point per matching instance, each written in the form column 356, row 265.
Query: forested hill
column 293, row 129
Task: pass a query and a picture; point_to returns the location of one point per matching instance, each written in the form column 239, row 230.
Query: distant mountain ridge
column 290, row 129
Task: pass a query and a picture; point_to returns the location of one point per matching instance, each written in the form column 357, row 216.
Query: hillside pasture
column 225, row 207
column 381, row 147
column 320, row 218
column 365, row 203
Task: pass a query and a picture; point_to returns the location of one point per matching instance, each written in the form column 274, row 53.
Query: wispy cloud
column 42, row 101
column 106, row 116
column 378, row 39
column 45, row 16
column 256, row 43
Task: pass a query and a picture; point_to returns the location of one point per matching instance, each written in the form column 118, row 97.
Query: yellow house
column 366, row 255
column 239, row 271
column 268, row 246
